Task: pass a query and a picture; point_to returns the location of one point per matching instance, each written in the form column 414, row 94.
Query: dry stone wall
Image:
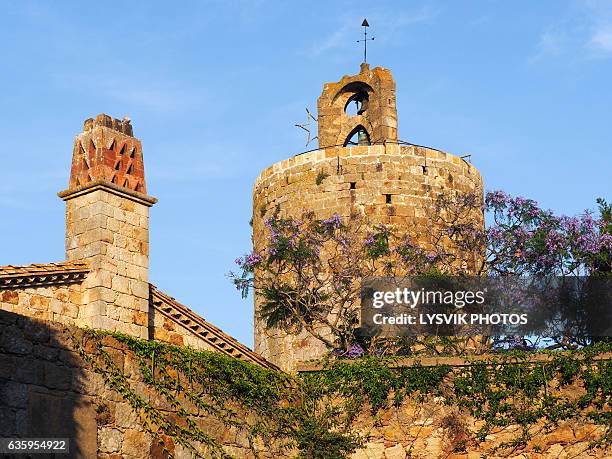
column 432, row 429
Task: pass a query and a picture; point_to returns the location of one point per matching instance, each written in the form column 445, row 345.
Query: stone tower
column 359, row 168
column 107, row 225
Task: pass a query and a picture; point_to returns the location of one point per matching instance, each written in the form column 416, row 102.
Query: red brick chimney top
column 124, row 125
column 107, row 150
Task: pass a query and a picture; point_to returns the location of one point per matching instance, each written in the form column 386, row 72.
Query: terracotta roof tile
column 42, row 274
column 210, row 334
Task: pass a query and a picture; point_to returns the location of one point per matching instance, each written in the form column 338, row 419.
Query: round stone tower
column 359, row 168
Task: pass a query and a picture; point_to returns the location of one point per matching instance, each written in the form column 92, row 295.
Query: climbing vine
column 313, row 414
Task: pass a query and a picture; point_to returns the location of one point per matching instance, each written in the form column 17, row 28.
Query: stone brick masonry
column 111, row 231
column 375, row 91
column 104, row 284
column 380, row 179
column 389, row 184
column 47, row 390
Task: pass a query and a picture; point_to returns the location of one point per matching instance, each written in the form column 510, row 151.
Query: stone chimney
column 107, row 225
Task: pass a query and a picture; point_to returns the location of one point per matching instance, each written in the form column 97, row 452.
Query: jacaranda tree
column 309, row 272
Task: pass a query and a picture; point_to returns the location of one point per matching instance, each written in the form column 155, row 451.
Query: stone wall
column 64, row 304
column 30, row 291
column 58, row 303
column 389, row 184
column 47, row 390
column 169, row 330
column 432, row 429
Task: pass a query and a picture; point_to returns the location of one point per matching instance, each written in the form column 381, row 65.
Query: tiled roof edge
column 203, row 329
column 40, row 275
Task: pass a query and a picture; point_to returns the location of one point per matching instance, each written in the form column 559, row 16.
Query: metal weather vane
column 365, row 40
column 306, row 126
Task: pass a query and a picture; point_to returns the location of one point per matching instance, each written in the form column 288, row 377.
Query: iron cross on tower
column 365, row 26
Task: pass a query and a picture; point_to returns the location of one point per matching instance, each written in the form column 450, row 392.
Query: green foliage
column 315, row 440
column 267, row 404
column 314, row 412
column 605, row 213
column 320, row 177
column 377, row 245
column 373, row 380
column 603, row 260
column 207, row 381
column 510, row 390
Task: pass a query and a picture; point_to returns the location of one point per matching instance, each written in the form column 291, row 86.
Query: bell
column 362, row 138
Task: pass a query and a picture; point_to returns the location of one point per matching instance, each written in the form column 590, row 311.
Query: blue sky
column 214, row 89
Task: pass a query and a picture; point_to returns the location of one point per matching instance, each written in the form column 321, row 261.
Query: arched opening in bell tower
column 357, row 104
column 358, row 136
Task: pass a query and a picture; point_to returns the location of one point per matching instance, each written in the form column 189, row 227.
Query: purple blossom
column 588, row 220
column 334, row 222
column 430, row 257
column 344, row 242
column 589, row 243
column 533, row 212
column 605, row 241
column 495, row 234
column 572, row 224
column 553, row 241
column 497, row 198
column 354, row 351
column 253, row 260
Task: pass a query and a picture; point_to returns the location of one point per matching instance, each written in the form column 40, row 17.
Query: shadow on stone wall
column 41, row 382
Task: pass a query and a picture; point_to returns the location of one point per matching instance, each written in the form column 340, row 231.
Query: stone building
column 47, row 389
column 104, row 282
column 359, row 168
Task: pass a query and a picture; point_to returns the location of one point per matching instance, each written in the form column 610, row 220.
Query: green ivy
column 313, row 413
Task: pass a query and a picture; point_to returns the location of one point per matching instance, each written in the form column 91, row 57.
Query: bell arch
column 349, row 130
column 358, row 136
